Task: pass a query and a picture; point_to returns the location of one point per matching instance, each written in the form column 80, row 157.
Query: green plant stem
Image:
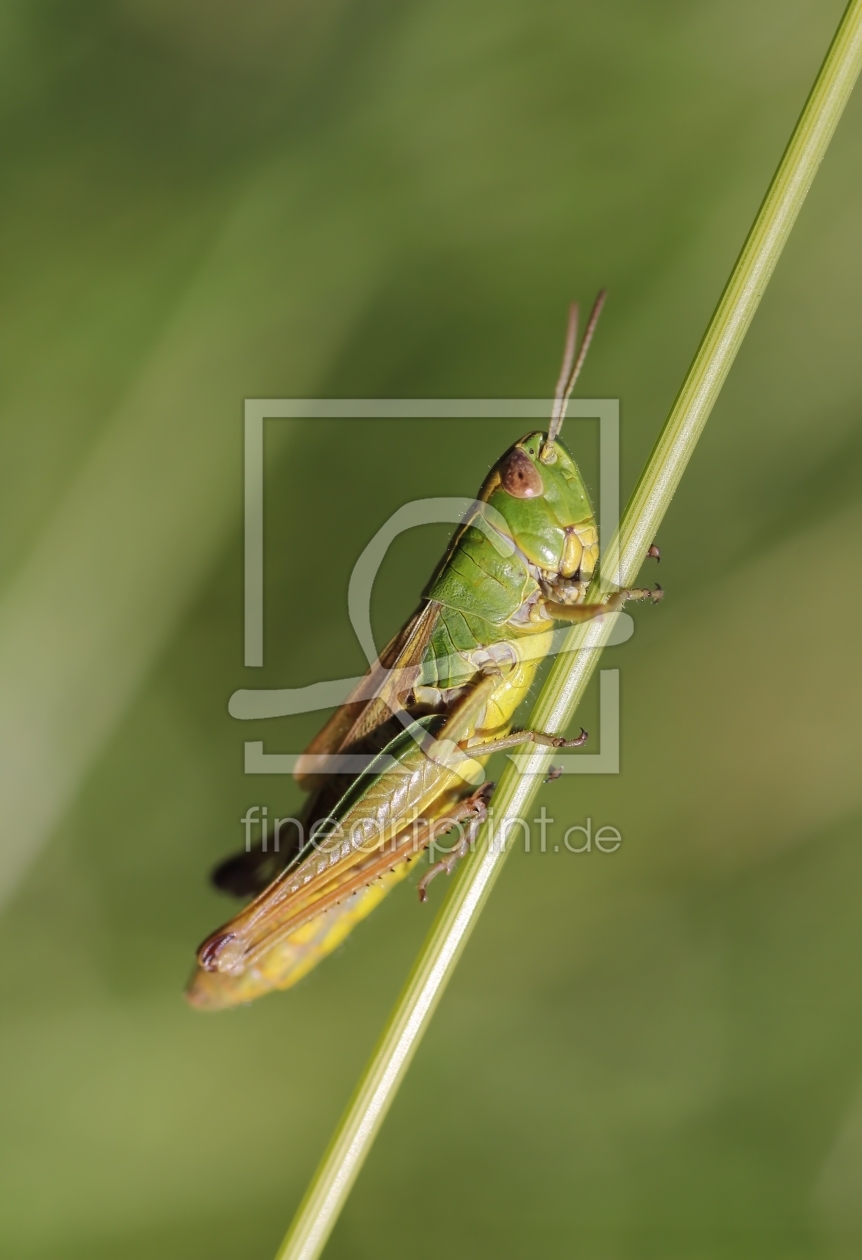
column 581, row 649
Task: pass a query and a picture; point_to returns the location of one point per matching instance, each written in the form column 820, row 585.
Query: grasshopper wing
column 383, row 824
column 381, row 693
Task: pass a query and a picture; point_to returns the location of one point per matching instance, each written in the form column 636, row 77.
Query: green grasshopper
column 437, row 703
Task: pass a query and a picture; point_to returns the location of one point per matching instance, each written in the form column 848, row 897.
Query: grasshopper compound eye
column 520, row 477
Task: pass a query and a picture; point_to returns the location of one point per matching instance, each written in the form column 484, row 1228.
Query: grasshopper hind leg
column 476, row 807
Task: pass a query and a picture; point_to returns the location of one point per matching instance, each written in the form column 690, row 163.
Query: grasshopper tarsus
column 635, row 593
column 654, row 553
column 477, row 815
column 555, row 772
column 445, row 866
column 560, row 741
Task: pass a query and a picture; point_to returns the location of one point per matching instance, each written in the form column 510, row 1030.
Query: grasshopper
column 437, row 703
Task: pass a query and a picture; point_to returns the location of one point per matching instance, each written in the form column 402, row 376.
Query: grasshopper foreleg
column 613, row 603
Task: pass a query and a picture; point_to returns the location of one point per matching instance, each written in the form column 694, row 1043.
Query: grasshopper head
column 538, row 490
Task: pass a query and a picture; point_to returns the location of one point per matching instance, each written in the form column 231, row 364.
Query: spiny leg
column 448, row 748
column 231, row 947
column 525, row 737
column 478, row 804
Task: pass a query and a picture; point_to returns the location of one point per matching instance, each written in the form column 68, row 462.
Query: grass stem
column 573, row 668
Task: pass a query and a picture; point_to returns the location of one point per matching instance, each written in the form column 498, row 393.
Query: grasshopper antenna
column 568, row 359
column 569, row 372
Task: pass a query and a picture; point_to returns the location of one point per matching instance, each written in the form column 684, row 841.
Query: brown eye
column 520, row 477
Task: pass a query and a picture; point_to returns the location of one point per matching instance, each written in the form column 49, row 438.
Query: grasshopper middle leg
column 525, row 737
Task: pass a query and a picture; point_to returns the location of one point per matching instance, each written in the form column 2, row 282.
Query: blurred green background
column 651, row 1053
